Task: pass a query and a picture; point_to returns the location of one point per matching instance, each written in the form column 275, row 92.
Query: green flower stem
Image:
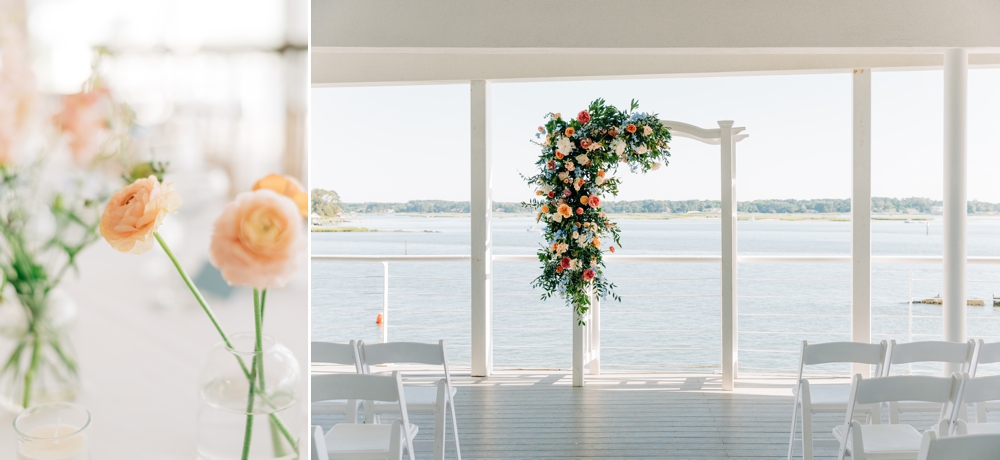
column 30, row 375
column 208, row 311
column 258, row 369
column 197, row 294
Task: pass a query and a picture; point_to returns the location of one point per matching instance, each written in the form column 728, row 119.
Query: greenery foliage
column 325, row 203
column 579, row 157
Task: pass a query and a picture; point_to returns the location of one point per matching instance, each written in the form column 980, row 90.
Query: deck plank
column 540, row 415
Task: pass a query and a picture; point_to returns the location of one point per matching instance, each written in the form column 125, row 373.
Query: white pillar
column 729, row 278
column 861, row 216
column 482, row 242
column 956, row 69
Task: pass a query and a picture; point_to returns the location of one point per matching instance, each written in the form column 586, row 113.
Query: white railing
column 591, row 335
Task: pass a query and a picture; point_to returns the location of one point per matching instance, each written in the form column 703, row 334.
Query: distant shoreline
column 336, row 224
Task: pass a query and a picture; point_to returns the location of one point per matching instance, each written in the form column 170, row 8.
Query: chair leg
column 454, row 428
column 894, row 413
column 791, row 436
column 807, row 434
column 439, row 433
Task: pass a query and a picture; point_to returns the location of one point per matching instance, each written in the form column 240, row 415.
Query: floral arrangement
column 49, row 211
column 576, row 170
column 255, row 242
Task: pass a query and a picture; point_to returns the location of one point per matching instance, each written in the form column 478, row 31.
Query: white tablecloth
column 140, row 358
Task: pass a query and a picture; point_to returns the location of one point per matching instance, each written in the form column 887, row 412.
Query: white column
column 595, row 335
column 861, row 216
column 729, row 279
column 579, row 349
column 956, row 69
column 482, row 242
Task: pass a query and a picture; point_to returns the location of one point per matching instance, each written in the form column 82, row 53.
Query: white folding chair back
column 971, row 447
column 829, row 398
column 317, row 445
column 978, row 391
column 925, row 352
column 986, row 353
column 437, row 400
column 351, row 440
column 893, row 441
column 337, row 353
column 929, row 352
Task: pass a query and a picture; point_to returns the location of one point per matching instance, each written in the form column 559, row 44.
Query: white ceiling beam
column 337, row 67
column 658, row 24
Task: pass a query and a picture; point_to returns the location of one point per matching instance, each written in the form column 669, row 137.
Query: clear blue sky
column 412, row 142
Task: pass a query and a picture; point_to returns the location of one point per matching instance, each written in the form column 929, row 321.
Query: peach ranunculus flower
column 134, row 213
column 257, row 240
column 86, row 118
column 288, row 186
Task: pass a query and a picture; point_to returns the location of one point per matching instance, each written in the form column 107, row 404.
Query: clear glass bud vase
column 39, row 363
column 274, row 413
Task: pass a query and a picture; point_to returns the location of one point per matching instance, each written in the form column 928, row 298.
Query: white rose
column 619, row 146
column 655, row 166
column 582, row 159
column 642, row 150
column 563, row 175
column 564, row 145
column 556, row 218
column 599, row 180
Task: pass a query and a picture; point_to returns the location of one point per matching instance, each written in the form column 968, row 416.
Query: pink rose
column 564, row 263
column 257, row 240
column 583, row 116
column 588, row 274
column 594, row 201
column 85, row 118
column 133, row 214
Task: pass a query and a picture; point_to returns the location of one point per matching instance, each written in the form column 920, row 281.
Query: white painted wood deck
column 523, row 414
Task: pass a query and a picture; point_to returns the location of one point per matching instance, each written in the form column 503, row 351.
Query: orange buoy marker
column 378, row 319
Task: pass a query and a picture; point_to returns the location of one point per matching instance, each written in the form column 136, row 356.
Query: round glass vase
column 273, row 413
column 39, row 363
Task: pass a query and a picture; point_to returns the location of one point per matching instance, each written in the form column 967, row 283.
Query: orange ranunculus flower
column 579, row 211
column 560, row 155
column 134, row 213
column 564, row 210
column 600, row 173
column 288, row 186
column 584, row 199
column 612, row 249
column 545, row 209
column 570, row 131
column 559, row 269
column 630, row 128
column 257, row 240
column 597, row 242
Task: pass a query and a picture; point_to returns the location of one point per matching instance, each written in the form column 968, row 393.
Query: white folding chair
column 317, row 444
column 978, row 391
column 890, row 441
column 437, row 399
column 925, row 352
column 366, row 441
column 986, row 353
column 829, row 398
column 337, row 353
column 971, row 447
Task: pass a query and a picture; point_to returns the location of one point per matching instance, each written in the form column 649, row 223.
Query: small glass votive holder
column 54, row 431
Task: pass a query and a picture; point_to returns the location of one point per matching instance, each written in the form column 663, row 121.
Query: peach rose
column 133, row 214
column 257, row 240
column 564, row 210
column 288, row 186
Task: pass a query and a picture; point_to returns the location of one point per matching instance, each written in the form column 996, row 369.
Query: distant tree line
column 879, row 205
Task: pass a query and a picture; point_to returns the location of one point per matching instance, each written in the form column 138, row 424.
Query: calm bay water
column 669, row 317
